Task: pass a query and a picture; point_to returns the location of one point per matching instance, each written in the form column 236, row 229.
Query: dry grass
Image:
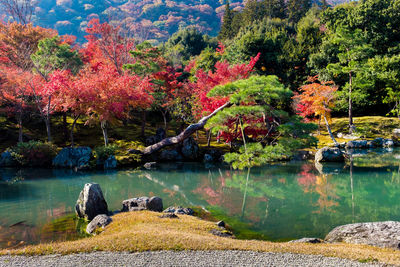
column 142, row 231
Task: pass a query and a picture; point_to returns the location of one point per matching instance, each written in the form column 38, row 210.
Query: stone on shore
column 150, row 165
column 100, row 221
column 311, row 240
column 143, row 203
column 91, row 202
column 329, row 154
column 179, row 211
column 73, row 157
column 380, row 234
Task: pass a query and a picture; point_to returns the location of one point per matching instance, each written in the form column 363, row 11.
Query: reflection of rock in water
column 329, row 168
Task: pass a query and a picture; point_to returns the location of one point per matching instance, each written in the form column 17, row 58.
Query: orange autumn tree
column 316, row 99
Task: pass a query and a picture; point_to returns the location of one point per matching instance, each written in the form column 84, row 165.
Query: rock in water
column 73, row 157
column 142, row 203
column 329, row 154
column 379, row 234
column 101, row 220
column 190, row 149
column 91, row 202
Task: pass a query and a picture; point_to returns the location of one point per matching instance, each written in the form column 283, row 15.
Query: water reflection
column 276, row 202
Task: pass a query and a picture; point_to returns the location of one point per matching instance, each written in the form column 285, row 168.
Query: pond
column 279, row 202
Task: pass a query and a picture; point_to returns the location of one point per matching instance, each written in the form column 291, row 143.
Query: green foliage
column 104, row 152
column 273, row 39
column 54, row 55
column 33, row 153
column 186, row 43
column 256, row 155
column 297, row 9
column 145, row 56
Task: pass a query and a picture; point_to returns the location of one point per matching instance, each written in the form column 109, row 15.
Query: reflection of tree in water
column 320, row 184
column 307, row 178
column 326, row 190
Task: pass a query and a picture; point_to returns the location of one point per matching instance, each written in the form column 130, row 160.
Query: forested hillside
column 147, row 19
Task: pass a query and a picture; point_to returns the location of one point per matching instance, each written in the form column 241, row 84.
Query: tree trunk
column 72, row 130
column 20, row 136
column 48, row 128
column 103, row 125
column 65, row 125
column 208, row 138
column 330, row 132
column 143, row 123
column 164, row 114
column 351, row 126
column 184, row 134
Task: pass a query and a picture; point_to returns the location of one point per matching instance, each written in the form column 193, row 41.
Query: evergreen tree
column 226, row 28
column 297, row 9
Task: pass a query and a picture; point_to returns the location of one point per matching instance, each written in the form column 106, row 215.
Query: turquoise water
column 279, row 202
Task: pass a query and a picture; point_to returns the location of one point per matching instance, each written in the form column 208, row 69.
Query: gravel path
column 182, row 258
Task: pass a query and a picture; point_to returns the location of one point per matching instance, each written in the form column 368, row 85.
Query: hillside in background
column 147, row 20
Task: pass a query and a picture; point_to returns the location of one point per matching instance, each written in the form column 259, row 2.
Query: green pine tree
column 226, row 31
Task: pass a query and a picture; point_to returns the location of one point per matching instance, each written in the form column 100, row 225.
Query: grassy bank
column 368, row 127
column 142, row 231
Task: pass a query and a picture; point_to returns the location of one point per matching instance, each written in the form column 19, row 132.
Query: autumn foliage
column 316, row 98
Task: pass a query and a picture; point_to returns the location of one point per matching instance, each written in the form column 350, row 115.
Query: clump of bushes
column 33, row 153
column 104, row 152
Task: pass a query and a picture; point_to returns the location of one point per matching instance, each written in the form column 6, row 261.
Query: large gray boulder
column 379, row 234
column 329, row 154
column 91, row 202
column 190, row 149
column 142, row 203
column 73, row 157
column 100, row 221
column 6, row 160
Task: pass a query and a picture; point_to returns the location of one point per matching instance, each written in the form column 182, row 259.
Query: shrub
column 33, row 153
column 104, row 152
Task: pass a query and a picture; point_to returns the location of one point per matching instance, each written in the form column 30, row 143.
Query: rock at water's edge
column 179, row 210
column 329, row 154
column 91, row 202
column 101, row 220
column 380, row 234
column 190, row 149
column 6, row 160
column 142, row 203
column 73, row 157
